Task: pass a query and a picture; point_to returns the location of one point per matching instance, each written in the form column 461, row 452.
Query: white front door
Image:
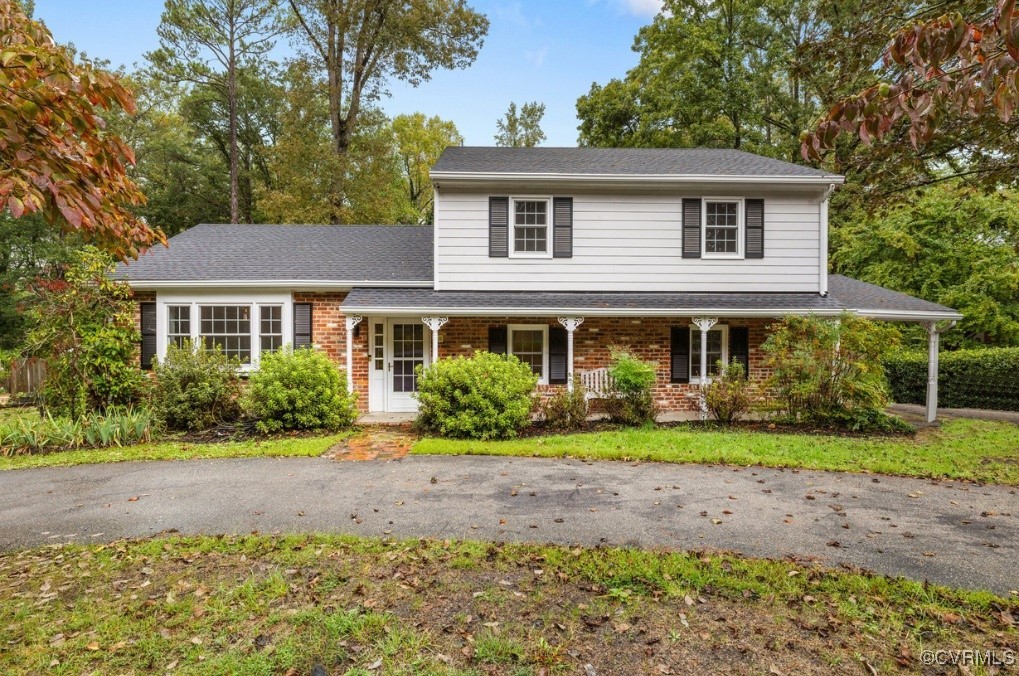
column 407, row 343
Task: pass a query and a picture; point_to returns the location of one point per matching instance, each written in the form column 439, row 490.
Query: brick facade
column 647, row 338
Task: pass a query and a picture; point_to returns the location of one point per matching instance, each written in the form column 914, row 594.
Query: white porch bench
column 598, row 384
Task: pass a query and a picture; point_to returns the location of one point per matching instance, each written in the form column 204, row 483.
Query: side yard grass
column 179, row 450
column 961, row 449
column 318, row 604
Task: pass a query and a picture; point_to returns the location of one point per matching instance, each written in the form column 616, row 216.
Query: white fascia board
column 885, row 315
column 472, row 177
column 270, row 284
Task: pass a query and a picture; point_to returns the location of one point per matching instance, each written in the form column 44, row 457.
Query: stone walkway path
column 382, row 442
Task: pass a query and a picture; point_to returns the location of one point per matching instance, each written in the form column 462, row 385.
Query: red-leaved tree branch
column 56, row 155
column 950, row 65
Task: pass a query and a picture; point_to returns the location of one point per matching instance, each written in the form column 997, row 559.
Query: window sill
column 532, row 256
column 728, row 257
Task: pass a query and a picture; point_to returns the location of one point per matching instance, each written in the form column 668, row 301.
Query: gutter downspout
column 823, row 248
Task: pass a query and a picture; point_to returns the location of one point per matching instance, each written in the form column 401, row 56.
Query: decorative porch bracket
column 933, row 334
column 704, row 324
column 570, row 324
column 352, row 321
column 435, row 323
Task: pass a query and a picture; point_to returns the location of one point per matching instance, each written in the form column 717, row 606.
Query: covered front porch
column 392, row 331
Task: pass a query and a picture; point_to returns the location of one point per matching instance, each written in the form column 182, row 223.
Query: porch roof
column 844, row 294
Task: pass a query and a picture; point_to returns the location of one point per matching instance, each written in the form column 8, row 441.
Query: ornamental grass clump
column 484, row 396
column 299, row 390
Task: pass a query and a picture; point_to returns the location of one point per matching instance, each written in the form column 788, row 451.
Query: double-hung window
column 529, row 344
column 718, row 342
column 271, row 328
column 530, row 228
column 178, row 330
column 723, row 228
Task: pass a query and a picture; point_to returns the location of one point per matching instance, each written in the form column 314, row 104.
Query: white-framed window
column 178, row 329
column 227, row 327
column 718, row 350
column 270, row 329
column 531, row 232
column 722, row 231
column 242, row 325
column 529, row 344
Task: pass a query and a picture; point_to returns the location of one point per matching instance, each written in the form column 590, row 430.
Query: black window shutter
column 302, row 325
column 755, row 228
column 557, row 353
column 562, row 227
column 498, row 227
column 691, row 227
column 148, row 328
column 739, row 346
column 680, row 354
column 497, row 339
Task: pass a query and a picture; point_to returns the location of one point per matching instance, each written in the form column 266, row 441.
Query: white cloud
column 642, row 7
column 537, row 57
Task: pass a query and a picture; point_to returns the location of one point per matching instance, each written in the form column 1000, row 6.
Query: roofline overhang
column 271, row 284
column 885, row 315
column 635, row 179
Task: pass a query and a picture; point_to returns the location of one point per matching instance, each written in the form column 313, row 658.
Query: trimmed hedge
column 986, row 378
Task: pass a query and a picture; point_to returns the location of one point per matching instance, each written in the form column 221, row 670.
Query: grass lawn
column 259, row 605
column 961, row 449
column 177, row 450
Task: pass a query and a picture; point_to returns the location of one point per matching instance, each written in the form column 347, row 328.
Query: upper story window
column 723, row 228
column 530, row 228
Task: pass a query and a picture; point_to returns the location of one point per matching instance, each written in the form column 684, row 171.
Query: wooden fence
column 26, row 377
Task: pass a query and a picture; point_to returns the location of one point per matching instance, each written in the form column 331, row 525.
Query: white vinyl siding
column 631, row 242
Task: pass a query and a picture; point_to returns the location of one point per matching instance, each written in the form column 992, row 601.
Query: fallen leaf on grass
column 375, row 665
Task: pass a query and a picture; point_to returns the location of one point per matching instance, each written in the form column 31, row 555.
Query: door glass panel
column 379, row 348
column 408, row 353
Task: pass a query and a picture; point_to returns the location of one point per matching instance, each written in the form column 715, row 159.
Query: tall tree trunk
column 231, row 87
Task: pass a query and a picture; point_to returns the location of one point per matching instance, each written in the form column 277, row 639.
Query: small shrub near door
column 730, row 394
column 485, row 396
column 195, row 389
column 299, row 390
column 633, row 379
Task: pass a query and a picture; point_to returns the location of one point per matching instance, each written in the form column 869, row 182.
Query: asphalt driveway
column 948, row 532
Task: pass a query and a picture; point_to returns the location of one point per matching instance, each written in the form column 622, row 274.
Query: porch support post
column 704, row 324
column 933, row 334
column 435, row 323
column 352, row 321
column 570, row 324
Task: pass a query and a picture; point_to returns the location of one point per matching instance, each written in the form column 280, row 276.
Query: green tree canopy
column 420, row 140
column 952, row 245
column 521, row 129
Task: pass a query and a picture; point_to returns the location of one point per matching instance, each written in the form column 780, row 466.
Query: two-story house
column 554, row 255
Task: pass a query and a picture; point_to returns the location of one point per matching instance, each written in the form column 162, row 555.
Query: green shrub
column 827, row 371
column 633, row 380
column 566, row 411
column 49, row 433
column 299, row 390
column 195, row 389
column 485, row 396
column 83, row 325
column 730, row 394
column 7, row 357
column 986, row 378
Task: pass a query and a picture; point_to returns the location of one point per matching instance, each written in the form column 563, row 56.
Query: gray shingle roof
column 363, row 254
column 623, row 161
column 845, row 294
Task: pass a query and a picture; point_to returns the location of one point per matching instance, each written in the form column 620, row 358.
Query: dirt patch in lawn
column 288, row 605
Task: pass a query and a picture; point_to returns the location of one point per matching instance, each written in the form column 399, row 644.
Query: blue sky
column 545, row 50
